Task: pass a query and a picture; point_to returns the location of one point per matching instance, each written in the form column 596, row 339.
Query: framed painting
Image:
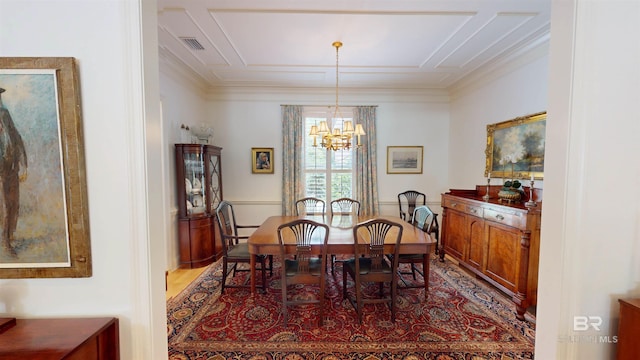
column 404, row 159
column 515, row 148
column 45, row 233
column 262, row 160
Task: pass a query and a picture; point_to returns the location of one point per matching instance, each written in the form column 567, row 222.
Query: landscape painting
column 404, row 159
column 515, row 148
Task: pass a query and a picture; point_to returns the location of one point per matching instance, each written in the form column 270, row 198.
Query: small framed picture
column 404, row 159
column 262, row 160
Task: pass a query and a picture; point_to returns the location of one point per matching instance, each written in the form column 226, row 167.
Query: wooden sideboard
column 629, row 330
column 54, row 339
column 497, row 241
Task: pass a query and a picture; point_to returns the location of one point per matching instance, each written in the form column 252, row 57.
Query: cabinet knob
column 475, row 211
column 499, row 217
column 454, row 204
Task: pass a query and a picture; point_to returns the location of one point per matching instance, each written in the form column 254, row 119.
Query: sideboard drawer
column 474, row 210
column 510, row 219
column 463, row 206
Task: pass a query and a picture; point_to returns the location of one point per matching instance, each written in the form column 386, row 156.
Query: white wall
column 127, row 282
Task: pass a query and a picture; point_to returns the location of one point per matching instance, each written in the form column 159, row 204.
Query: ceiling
column 411, row 44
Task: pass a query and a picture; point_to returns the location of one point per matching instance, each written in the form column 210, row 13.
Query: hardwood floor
column 179, row 279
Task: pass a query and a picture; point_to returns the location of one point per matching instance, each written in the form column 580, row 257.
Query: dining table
column 264, row 240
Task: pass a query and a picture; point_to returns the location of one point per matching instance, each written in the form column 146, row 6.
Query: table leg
column 252, row 266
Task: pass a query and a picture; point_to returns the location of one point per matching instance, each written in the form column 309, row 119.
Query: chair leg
column 224, row 274
column 413, row 270
column 359, row 302
column 394, row 288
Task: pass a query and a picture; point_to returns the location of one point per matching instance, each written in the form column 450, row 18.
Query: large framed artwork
column 45, row 227
column 404, row 159
column 515, row 148
column 262, row 160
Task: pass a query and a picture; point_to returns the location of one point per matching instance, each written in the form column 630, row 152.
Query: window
column 329, row 174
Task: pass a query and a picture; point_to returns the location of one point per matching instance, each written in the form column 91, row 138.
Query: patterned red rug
column 461, row 319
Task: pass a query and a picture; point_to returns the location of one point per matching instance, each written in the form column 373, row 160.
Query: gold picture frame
column 262, row 160
column 515, row 148
column 404, row 159
column 41, row 99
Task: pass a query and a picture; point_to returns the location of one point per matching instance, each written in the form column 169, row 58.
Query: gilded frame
column 256, row 168
column 515, row 148
column 404, row 159
column 25, row 79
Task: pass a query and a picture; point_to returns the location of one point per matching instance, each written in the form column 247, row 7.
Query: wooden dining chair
column 235, row 249
column 343, row 207
column 425, row 220
column 302, row 268
column 371, row 265
column 407, row 202
column 310, row 206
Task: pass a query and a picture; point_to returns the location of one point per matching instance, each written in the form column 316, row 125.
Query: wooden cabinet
column 498, row 242
column 629, row 330
column 199, row 186
column 54, row 339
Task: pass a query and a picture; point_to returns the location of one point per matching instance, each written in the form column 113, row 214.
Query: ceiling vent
column 192, row 43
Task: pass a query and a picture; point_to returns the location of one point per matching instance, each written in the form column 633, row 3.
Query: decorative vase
column 509, row 195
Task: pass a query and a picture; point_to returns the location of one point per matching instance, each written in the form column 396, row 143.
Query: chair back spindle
column 310, row 206
column 345, row 206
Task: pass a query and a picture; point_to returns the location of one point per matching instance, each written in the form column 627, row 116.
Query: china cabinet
column 199, row 186
column 497, row 241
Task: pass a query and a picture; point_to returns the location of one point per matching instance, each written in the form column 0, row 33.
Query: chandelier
column 338, row 139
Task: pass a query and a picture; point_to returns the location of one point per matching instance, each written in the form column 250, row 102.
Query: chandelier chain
column 337, row 45
column 338, row 138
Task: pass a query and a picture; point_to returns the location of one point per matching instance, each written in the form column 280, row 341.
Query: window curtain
column 292, row 157
column 366, row 187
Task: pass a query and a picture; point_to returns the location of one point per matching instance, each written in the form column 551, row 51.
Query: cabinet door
column 191, row 180
column 454, row 244
column 503, row 245
column 475, row 226
column 196, row 242
column 215, row 187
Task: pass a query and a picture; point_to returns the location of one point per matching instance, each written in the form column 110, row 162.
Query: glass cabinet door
column 195, row 189
column 215, row 178
column 191, row 180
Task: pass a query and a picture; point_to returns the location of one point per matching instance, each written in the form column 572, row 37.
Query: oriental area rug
column 462, row 318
